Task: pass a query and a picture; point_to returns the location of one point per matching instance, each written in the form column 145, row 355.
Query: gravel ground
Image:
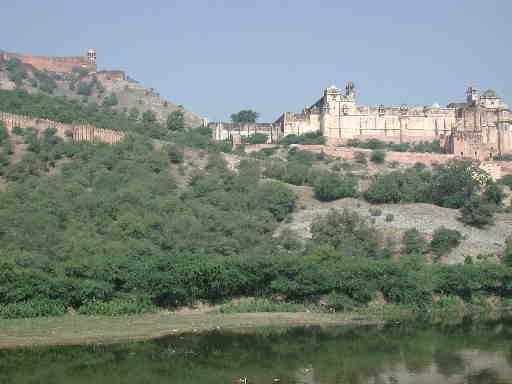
column 424, row 217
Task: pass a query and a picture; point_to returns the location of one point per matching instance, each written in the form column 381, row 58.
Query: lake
column 462, row 351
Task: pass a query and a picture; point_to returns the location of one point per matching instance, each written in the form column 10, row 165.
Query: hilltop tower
column 91, row 56
column 472, row 96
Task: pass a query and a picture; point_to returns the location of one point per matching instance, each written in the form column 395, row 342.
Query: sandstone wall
column 52, row 64
column 75, row 132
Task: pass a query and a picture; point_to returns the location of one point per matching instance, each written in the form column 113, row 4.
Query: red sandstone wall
column 79, row 132
column 52, row 64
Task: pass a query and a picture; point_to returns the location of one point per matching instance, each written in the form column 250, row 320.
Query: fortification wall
column 52, row 64
column 75, row 132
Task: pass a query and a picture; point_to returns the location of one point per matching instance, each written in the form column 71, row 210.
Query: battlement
column 53, row 63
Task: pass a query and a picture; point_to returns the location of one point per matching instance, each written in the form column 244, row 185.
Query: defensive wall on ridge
column 75, row 132
column 52, row 64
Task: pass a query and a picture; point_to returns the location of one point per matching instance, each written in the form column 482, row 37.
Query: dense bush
column 330, row 186
column 478, row 212
column 257, row 138
column 414, row 243
column 312, row 138
column 375, row 144
column 32, row 308
column 131, row 305
column 450, row 185
column 444, row 240
column 378, row 157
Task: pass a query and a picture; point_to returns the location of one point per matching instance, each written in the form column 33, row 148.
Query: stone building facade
column 479, row 127
column 55, row 64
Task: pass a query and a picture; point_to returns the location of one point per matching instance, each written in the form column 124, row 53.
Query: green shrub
column 261, row 305
column 274, row 197
column 390, row 217
column 33, row 308
column 119, row 306
column 414, row 243
column 175, row 154
column 330, row 186
column 17, row 130
column 444, row 240
column 360, row 158
column 378, row 157
column 478, row 212
column 311, row 138
column 375, row 211
column 257, row 138
column 340, row 302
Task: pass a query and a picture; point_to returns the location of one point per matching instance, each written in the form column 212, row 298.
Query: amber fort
column 478, row 127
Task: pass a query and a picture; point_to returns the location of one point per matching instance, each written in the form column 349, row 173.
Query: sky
column 218, row 57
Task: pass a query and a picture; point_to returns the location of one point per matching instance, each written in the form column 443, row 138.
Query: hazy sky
column 217, row 57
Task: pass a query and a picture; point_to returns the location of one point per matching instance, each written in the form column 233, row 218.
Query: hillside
column 130, row 95
column 165, row 220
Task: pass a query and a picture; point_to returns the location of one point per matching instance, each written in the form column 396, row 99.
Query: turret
column 472, row 96
column 91, row 56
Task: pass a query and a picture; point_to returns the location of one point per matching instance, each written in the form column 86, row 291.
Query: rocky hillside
column 124, row 94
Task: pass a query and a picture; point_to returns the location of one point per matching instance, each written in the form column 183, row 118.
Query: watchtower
column 91, row 56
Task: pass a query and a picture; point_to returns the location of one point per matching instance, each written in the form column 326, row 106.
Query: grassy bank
column 75, row 329
column 78, row 329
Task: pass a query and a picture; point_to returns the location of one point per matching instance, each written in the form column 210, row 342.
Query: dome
column 435, row 105
column 489, row 93
column 333, row 88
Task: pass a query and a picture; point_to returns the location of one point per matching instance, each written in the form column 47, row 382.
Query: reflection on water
column 466, row 352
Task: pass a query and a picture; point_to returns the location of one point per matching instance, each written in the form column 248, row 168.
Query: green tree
column 347, row 232
column 494, row 193
column 478, row 212
column 444, row 240
column 330, row 186
column 274, row 197
column 414, row 243
column 245, row 116
column 257, row 138
column 149, row 117
column 507, row 256
column 378, row 157
column 111, row 100
column 175, row 121
column 456, row 182
column 85, row 88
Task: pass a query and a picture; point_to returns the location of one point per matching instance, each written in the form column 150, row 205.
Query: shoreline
column 72, row 329
column 85, row 330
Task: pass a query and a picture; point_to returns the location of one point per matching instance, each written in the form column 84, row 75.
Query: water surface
column 465, row 352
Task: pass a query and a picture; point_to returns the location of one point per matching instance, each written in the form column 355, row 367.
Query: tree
column 414, row 243
column 330, row 186
column 378, row 157
column 507, row 257
column 347, row 232
column 456, row 182
column 444, row 240
column 110, row 100
column 478, row 212
column 149, row 117
column 494, row 193
column 245, row 116
column 257, row 138
column 133, row 115
column 275, row 197
column 85, row 88
column 176, row 121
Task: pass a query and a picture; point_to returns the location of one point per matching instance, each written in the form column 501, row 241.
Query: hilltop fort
column 480, row 127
